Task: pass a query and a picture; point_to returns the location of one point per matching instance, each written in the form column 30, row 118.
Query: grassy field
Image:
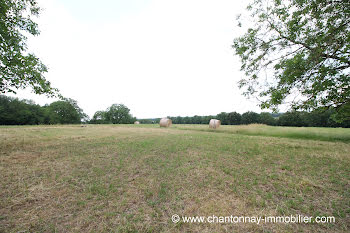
column 133, row 178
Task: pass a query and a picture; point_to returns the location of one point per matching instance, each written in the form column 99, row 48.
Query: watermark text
column 253, row 219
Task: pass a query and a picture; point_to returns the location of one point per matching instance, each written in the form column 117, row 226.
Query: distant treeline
column 25, row 112
column 300, row 119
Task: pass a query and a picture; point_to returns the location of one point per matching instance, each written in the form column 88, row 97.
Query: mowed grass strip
column 307, row 133
column 134, row 178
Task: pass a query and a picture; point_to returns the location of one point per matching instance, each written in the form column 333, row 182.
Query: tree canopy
column 115, row 114
column 19, row 69
column 82, row 115
column 63, row 112
column 119, row 114
column 297, row 52
column 25, row 112
column 20, row 112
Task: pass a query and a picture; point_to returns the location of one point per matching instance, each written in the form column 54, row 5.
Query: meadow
column 134, row 178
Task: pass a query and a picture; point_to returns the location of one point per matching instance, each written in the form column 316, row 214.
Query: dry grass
column 134, row 178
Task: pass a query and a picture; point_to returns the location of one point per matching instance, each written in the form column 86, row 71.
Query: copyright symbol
column 175, row 218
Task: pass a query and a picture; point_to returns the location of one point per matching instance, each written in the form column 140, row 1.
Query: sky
column 158, row 57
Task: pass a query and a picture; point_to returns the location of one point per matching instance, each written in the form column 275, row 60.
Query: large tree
column 19, row 69
column 63, row 112
column 83, row 116
column 119, row 114
column 250, row 118
column 234, row 118
column 297, row 52
column 99, row 118
column 223, row 117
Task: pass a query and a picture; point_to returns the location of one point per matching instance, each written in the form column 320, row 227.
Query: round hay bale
column 214, row 123
column 165, row 122
column 136, row 122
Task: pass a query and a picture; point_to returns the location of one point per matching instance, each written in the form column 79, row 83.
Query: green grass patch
column 307, row 133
